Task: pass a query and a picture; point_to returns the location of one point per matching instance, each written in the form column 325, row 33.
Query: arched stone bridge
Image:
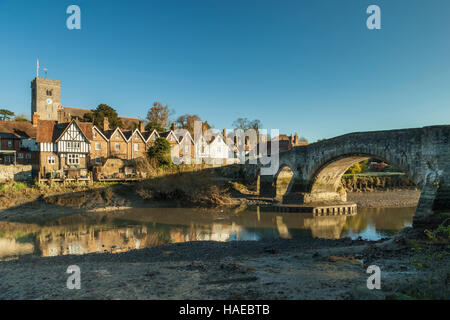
column 422, row 153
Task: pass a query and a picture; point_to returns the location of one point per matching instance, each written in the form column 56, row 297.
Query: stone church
column 46, row 104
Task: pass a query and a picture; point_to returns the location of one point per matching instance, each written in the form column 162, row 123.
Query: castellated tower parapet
column 45, row 98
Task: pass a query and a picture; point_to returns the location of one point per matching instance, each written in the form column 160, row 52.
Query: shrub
column 160, row 151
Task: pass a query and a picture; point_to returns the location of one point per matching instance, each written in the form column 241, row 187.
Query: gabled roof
column 147, row 134
column 109, row 133
column 130, row 134
column 17, row 129
column 127, row 134
column 94, row 127
column 167, row 134
column 51, row 131
column 180, row 136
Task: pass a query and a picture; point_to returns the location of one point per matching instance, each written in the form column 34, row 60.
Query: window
column 73, row 159
column 73, row 145
column 136, row 147
column 117, row 146
column 98, row 160
column 20, row 155
column 51, row 160
column 117, row 136
column 186, row 149
column 98, row 146
column 136, row 137
column 27, row 155
column 154, row 137
column 10, row 143
column 94, row 134
column 49, row 92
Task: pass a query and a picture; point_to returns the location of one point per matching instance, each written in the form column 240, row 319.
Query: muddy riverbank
column 123, row 198
column 279, row 269
column 385, row 199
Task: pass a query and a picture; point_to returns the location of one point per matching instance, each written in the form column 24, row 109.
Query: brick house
column 150, row 138
column 18, row 143
column 99, row 147
column 185, row 150
column 118, row 144
column 136, row 144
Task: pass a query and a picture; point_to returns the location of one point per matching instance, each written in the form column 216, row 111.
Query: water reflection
column 142, row 228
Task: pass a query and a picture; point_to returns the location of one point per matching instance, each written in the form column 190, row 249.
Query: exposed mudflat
column 279, row 269
column 385, row 199
column 276, row 269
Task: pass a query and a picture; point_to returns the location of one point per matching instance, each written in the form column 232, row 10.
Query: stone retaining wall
column 16, row 173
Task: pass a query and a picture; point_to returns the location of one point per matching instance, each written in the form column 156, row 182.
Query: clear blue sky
column 306, row 66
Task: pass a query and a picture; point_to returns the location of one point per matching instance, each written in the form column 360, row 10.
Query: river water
column 141, row 228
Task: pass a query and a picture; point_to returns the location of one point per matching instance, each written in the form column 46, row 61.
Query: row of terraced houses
column 56, row 141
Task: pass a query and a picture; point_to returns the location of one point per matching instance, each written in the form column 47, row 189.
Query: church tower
column 45, row 98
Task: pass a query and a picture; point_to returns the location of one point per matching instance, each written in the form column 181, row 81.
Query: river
column 145, row 227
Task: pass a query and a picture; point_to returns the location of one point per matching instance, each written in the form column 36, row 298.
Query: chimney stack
column 141, row 126
column 296, row 138
column 105, row 124
column 35, row 119
column 225, row 135
column 173, row 127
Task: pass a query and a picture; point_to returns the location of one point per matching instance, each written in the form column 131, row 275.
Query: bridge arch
column 325, row 181
column 421, row 153
column 280, row 178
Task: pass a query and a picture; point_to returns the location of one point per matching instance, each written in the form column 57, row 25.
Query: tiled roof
column 49, row 131
column 18, row 129
column 45, row 130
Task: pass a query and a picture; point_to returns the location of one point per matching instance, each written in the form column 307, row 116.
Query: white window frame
column 51, row 159
column 98, row 146
column 117, row 146
column 73, row 159
column 136, row 147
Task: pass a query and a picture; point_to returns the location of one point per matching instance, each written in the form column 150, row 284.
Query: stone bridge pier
column 423, row 154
